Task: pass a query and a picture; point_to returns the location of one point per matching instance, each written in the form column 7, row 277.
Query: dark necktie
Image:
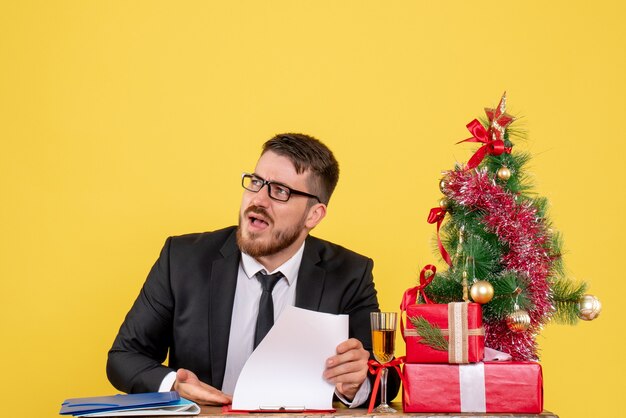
column 265, row 319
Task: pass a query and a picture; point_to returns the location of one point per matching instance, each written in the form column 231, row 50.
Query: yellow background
column 124, row 122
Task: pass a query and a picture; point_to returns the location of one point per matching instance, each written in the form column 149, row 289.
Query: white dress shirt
column 246, row 309
column 243, row 320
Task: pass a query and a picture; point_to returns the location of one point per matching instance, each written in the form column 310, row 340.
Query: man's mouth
column 257, row 222
column 258, row 218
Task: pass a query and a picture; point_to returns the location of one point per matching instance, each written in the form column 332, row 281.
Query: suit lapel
column 310, row 277
column 223, row 283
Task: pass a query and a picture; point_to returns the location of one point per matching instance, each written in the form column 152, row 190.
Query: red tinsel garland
column 518, row 226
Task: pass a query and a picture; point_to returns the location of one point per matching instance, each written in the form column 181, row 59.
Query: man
column 205, row 298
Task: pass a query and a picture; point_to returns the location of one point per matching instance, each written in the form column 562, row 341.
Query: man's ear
column 315, row 215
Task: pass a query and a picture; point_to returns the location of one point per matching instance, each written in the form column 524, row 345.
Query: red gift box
column 493, row 387
column 461, row 325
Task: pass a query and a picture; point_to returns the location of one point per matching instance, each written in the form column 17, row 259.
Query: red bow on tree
column 492, row 138
column 437, row 215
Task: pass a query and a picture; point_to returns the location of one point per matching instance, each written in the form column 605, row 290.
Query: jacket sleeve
column 135, row 360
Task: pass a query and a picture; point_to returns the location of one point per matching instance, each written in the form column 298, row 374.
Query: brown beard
column 279, row 241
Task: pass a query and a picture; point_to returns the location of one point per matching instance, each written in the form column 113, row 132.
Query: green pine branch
column 566, row 295
column 431, row 334
column 541, row 203
column 519, row 183
column 482, row 251
column 446, row 287
column 555, row 246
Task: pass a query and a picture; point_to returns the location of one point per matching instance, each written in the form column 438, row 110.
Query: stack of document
column 165, row 403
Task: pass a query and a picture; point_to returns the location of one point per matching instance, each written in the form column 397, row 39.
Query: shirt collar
column 289, row 268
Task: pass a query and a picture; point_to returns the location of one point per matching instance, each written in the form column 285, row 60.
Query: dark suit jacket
column 186, row 303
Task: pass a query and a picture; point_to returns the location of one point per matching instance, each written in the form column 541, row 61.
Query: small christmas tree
column 504, row 252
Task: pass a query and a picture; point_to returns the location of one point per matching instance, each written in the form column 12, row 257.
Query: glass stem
column 383, row 387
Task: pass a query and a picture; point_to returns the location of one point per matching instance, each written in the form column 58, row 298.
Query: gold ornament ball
column 444, row 203
column 518, row 321
column 442, row 185
column 504, row 173
column 482, row 292
column 589, row 307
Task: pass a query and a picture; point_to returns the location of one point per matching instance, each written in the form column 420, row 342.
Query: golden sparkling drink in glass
column 383, row 342
column 383, row 345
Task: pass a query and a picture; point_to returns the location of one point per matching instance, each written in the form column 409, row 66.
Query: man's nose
column 262, row 197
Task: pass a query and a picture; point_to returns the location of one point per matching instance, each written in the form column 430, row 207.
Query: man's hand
column 348, row 369
column 190, row 387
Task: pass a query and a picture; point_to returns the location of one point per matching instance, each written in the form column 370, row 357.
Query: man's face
column 267, row 226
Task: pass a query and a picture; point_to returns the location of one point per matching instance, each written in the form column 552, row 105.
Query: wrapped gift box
column 462, row 326
column 493, row 387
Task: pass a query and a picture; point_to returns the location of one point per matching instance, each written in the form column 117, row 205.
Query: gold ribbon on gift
column 457, row 332
column 445, row 332
column 457, row 323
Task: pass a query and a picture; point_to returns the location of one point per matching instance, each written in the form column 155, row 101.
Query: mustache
column 259, row 211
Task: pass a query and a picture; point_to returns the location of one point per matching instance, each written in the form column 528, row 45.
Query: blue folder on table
column 157, row 403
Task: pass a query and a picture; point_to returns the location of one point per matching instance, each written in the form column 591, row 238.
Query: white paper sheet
column 285, row 370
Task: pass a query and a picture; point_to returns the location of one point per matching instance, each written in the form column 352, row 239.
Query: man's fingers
column 221, row 396
column 355, row 378
column 346, row 367
column 189, row 386
column 351, row 372
column 348, row 388
column 203, row 396
column 348, row 384
column 355, row 369
column 182, row 375
column 215, row 397
column 355, row 354
column 352, row 355
column 348, row 345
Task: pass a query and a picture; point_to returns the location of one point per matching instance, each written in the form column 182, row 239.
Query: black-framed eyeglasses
column 277, row 191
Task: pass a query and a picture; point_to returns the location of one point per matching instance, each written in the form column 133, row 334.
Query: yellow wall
column 123, row 122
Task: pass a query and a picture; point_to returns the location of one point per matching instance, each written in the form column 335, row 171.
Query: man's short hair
column 308, row 154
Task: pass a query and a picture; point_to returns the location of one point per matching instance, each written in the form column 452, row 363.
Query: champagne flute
column 383, row 343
